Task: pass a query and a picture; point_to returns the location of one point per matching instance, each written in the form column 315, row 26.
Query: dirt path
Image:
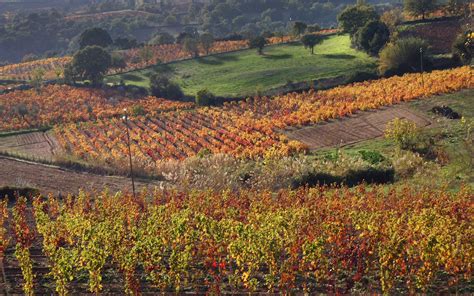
column 49, row 179
column 359, row 127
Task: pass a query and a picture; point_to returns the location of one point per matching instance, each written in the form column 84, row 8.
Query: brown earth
column 356, row 128
column 51, row 179
column 35, row 145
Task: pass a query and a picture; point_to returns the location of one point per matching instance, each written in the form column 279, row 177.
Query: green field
column 245, row 72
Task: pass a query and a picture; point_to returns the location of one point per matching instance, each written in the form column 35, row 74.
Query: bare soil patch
column 50, row 179
column 358, row 127
column 35, row 145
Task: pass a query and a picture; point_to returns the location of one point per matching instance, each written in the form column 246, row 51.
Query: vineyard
column 61, row 104
column 247, row 128
column 53, row 68
column 337, row 241
column 440, row 35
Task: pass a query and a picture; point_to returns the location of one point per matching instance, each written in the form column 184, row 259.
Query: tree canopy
column 310, row 41
column 90, row 63
column 95, row 36
column 258, row 43
column 372, row 37
column 420, row 7
column 355, row 17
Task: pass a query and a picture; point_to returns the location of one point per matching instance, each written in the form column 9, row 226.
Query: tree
column 191, row 46
column 392, row 18
column 310, row 41
column 90, row 63
column 162, row 87
column 118, row 61
column 299, row 28
column 403, row 56
column 372, row 37
column 258, row 43
column 125, row 43
column 95, row 36
column 313, row 28
column 419, row 7
column 354, row 17
column 205, row 98
column 206, row 40
column 37, row 78
column 463, row 48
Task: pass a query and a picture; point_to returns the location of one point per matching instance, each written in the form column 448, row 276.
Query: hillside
column 243, row 73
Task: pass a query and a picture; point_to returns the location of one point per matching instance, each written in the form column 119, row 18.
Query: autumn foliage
column 248, row 128
column 365, row 240
column 62, row 104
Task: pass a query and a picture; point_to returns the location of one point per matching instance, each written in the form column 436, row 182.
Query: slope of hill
column 245, row 72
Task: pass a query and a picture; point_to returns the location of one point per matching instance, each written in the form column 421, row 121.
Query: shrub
column 162, row 87
column 204, row 98
column 372, row 157
column 407, row 164
column 352, row 178
column 403, row 132
column 403, row 56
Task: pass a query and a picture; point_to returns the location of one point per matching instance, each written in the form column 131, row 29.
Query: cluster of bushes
column 220, row 171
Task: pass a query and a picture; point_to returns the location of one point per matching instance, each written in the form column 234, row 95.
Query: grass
column 245, row 72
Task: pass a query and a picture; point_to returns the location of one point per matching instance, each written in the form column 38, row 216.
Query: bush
column 372, row 157
column 204, row 98
column 403, row 56
column 162, row 87
column 352, row 178
column 403, row 132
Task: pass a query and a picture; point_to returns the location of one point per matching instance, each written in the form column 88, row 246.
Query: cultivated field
column 355, row 128
column 397, row 239
column 248, row 128
column 34, row 145
column 50, row 179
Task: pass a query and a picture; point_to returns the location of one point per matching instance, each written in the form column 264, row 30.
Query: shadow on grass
column 226, row 58
column 278, row 56
column 339, row 56
column 164, row 68
column 132, row 77
column 209, row 61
